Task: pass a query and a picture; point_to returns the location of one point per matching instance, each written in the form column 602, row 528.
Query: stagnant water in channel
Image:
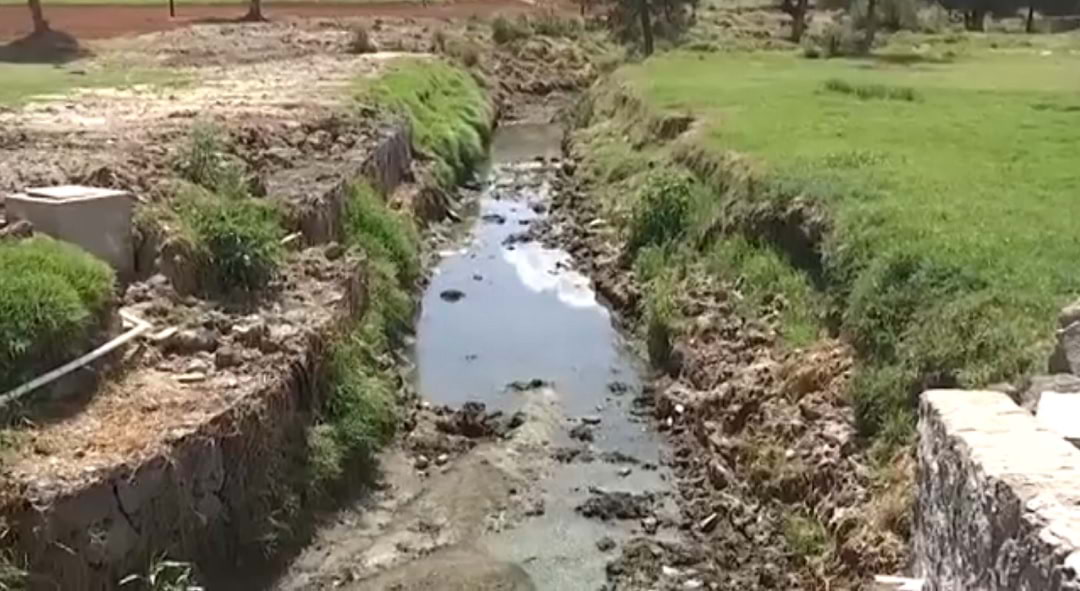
column 500, row 309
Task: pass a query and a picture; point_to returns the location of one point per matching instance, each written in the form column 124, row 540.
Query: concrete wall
column 998, row 503
column 100, row 224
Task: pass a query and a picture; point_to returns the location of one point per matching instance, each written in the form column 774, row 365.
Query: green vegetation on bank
column 233, row 237
column 449, row 113
column 360, row 410
column 52, row 299
column 946, row 243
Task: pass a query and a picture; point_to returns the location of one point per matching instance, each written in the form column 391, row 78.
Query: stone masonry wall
column 998, row 504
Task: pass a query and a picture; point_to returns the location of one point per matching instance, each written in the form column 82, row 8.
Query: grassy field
column 947, row 169
column 22, row 82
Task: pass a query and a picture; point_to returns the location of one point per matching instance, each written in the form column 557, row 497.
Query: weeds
column 165, row 575
column 205, row 163
column 872, row 91
column 806, row 536
column 505, row 30
column 236, row 239
column 661, row 210
column 52, row 298
column 360, row 42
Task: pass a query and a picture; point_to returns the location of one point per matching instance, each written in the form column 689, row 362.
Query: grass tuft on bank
column 360, row 413
column 941, row 191
column 52, row 299
column 447, row 109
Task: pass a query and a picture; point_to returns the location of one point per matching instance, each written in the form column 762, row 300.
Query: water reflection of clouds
column 539, row 270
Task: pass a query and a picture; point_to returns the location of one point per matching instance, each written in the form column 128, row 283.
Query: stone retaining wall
column 998, row 504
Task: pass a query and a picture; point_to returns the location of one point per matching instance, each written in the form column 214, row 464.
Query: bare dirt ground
column 105, row 21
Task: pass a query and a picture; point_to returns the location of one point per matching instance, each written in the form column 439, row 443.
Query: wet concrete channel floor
column 501, row 309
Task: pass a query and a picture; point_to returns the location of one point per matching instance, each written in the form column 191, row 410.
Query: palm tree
column 40, row 24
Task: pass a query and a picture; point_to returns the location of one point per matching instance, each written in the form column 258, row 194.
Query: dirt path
column 105, row 21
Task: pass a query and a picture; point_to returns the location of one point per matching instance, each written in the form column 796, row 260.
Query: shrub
column 661, row 210
column 236, row 239
column 205, row 163
column 505, row 30
column 833, row 40
column 872, row 91
column 551, row 24
column 52, row 297
column 805, row 536
column 361, row 41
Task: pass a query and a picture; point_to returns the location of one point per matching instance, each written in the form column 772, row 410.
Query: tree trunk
column 871, row 25
column 1030, row 25
column 798, row 20
column 976, row 20
column 40, row 24
column 646, row 26
column 255, row 11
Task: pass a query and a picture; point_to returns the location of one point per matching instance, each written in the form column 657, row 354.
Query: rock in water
column 452, row 295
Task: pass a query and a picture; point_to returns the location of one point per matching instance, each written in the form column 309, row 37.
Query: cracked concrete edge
column 998, row 499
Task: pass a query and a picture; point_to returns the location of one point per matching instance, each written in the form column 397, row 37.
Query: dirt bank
column 776, row 489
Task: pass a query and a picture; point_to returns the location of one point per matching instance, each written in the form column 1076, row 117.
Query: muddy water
column 501, row 308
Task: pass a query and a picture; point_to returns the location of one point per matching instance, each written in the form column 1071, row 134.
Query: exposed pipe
column 140, row 326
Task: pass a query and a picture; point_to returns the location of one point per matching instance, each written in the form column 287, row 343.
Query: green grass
column 235, row 237
column 950, row 244
column 51, row 301
column 23, row 82
column 449, row 112
column 360, row 412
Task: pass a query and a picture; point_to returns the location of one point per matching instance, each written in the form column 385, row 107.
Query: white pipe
column 140, row 327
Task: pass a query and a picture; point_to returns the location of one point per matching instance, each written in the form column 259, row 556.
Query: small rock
column 333, row 251
column 252, row 335
column 650, row 525
column 582, row 433
column 493, row 218
column 605, row 544
column 524, row 386
column 452, row 295
column 618, row 388
column 191, row 378
column 625, row 471
column 192, row 341
column 477, row 277
column 693, row 584
column 536, row 509
column 422, row 463
column 442, row 459
column 590, row 420
column 226, row 357
column 539, row 208
column 292, row 241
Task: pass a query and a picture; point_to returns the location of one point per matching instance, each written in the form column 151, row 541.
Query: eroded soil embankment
column 198, row 448
column 777, row 490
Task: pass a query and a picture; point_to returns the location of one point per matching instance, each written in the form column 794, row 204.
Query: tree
column 1029, row 24
column 40, row 24
column 255, row 11
column 797, row 10
column 646, row 26
column 871, row 25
